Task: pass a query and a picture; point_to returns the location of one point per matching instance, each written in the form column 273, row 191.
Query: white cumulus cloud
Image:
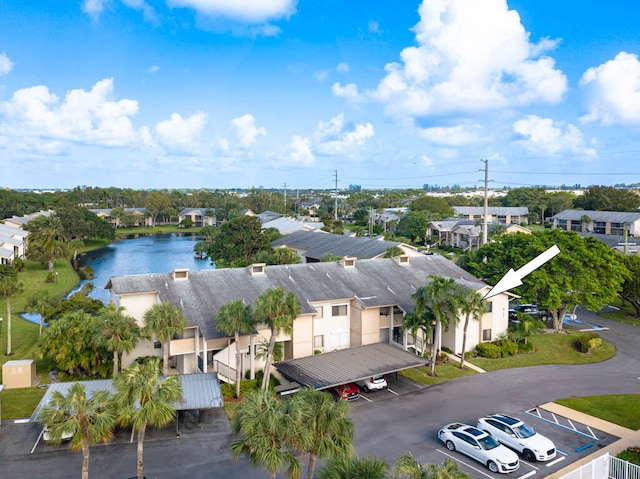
column 89, row 117
column 181, row 135
column 246, row 130
column 94, row 8
column 249, row 11
column 452, row 135
column 6, row 65
column 335, row 138
column 549, row 137
column 299, row 152
column 613, row 91
column 470, row 56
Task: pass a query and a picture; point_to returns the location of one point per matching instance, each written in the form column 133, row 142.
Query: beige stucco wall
column 370, row 319
column 302, row 336
column 19, row 373
column 135, row 305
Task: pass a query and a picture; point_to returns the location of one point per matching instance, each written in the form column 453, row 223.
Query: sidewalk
column 455, row 357
column 628, row 437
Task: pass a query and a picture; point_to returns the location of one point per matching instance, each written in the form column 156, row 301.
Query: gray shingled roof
column 199, row 391
column 606, row 216
column 330, row 369
column 492, row 210
column 319, row 244
column 376, row 282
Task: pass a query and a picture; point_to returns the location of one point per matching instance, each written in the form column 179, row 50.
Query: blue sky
column 263, row 93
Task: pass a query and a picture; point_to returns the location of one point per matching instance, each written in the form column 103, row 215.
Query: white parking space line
column 528, row 474
column 555, row 461
column 468, row 465
column 393, row 392
column 528, row 464
column 365, row 398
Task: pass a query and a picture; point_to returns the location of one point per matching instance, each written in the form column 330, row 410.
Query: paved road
column 385, row 428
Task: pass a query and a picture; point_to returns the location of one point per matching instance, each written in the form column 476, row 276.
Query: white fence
column 605, row 467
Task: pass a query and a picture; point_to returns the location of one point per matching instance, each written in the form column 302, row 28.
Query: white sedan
column 518, row 435
column 480, row 446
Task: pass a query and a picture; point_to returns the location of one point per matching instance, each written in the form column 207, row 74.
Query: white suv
column 518, row 435
column 373, row 383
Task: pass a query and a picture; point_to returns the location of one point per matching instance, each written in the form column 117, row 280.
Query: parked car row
column 350, row 391
column 493, row 441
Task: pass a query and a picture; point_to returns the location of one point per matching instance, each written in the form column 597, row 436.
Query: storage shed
column 20, row 373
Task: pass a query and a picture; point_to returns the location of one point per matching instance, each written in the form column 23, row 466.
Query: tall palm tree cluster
column 142, row 397
column 275, row 435
column 143, row 394
column 438, row 305
column 275, row 308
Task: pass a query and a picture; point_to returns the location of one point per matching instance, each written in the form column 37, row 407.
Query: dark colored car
column 347, row 392
column 530, row 309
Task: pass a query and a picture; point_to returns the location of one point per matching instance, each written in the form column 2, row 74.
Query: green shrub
column 507, row 347
column 588, row 341
column 631, row 454
column 525, row 348
column 86, row 272
column 489, row 350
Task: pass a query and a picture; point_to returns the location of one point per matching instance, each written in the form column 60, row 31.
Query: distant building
column 614, row 223
column 199, row 216
column 505, row 215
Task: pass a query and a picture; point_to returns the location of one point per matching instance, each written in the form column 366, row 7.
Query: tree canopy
column 586, row 272
column 608, row 198
column 236, row 242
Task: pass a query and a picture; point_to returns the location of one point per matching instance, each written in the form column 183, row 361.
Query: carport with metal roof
column 322, row 371
column 199, row 391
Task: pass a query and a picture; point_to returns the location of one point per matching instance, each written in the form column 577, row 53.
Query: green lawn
column 549, row 349
column 444, row 372
column 18, row 403
column 621, row 409
column 626, row 314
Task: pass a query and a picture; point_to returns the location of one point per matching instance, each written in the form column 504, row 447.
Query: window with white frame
column 318, row 341
column 489, row 306
column 486, row 335
column 339, row 310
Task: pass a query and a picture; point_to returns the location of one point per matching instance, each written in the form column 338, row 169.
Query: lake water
column 161, row 253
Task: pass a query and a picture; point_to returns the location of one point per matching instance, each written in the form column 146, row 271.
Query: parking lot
column 573, row 441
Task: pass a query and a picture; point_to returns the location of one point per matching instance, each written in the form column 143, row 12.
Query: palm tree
column 263, row 426
column 40, row 303
column 145, row 398
column 370, row 467
column 165, row 321
column 47, row 239
column 9, row 285
column 326, row 421
column 407, row 467
column 88, row 420
column 437, row 296
column 120, row 334
column 418, row 322
column 472, row 305
column 277, row 310
column 236, row 318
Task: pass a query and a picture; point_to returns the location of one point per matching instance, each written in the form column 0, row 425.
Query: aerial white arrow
column 513, row 279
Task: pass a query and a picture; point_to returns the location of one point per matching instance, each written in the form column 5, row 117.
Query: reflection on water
column 161, row 253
